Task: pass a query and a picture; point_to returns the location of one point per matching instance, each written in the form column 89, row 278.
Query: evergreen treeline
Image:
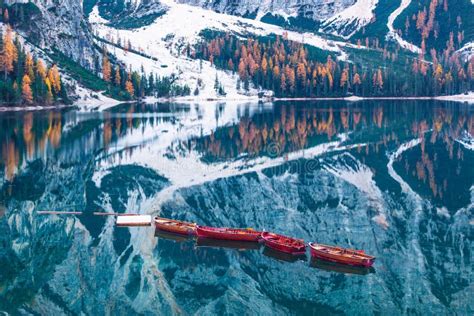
column 24, row 79
column 290, row 69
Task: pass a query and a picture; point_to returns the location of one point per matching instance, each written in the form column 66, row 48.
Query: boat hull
column 355, row 260
column 228, row 234
column 176, row 227
column 277, row 244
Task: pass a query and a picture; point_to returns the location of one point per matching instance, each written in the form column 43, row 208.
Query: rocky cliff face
column 127, row 13
column 311, row 9
column 55, row 26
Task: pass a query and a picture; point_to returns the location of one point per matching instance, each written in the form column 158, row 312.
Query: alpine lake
column 394, row 178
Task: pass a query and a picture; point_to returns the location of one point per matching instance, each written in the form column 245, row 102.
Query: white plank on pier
column 133, row 220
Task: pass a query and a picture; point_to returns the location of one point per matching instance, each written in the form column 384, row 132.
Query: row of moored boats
column 280, row 243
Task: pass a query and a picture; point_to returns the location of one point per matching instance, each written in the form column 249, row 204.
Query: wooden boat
column 174, row 226
column 283, row 243
column 339, row 267
column 341, row 255
column 229, row 244
column 237, row 234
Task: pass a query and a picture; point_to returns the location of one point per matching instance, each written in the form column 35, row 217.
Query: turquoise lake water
column 395, row 178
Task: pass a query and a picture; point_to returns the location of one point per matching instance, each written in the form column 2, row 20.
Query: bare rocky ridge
column 59, row 27
column 311, row 9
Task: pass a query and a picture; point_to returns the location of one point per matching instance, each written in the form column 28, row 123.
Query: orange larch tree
column 26, row 93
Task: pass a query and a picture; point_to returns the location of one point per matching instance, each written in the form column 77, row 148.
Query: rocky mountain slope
column 314, row 10
column 55, row 27
column 126, row 13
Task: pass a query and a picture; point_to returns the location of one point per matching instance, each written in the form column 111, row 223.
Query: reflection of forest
column 26, row 139
column 29, row 136
column 295, row 127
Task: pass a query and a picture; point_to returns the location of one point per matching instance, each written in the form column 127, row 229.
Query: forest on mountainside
column 26, row 79
column 293, row 69
column 431, row 24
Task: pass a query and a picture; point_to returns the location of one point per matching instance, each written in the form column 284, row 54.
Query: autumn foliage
column 298, row 70
column 26, row 79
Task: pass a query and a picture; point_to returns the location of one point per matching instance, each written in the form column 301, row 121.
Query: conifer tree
column 49, row 91
column 9, row 54
column 117, row 79
column 41, row 69
column 26, row 93
column 29, row 66
column 106, row 67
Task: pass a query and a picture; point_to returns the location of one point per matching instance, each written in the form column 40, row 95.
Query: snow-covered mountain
column 158, row 47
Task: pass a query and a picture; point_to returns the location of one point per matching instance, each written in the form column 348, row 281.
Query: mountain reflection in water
column 394, row 178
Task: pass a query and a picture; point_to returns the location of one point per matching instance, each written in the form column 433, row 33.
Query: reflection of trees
column 29, row 136
column 11, row 158
column 439, row 163
column 288, row 129
column 23, row 139
column 293, row 128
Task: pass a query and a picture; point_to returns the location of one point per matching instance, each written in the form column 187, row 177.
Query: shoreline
column 17, row 108
column 454, row 98
column 464, row 98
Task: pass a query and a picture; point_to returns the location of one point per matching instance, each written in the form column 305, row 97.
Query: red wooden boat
column 341, row 255
column 238, row 234
column 176, row 227
column 283, row 243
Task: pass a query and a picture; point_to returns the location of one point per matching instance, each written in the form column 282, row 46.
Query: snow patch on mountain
column 88, row 100
column 467, row 51
column 281, row 13
column 350, row 169
column 350, row 20
column 393, row 34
